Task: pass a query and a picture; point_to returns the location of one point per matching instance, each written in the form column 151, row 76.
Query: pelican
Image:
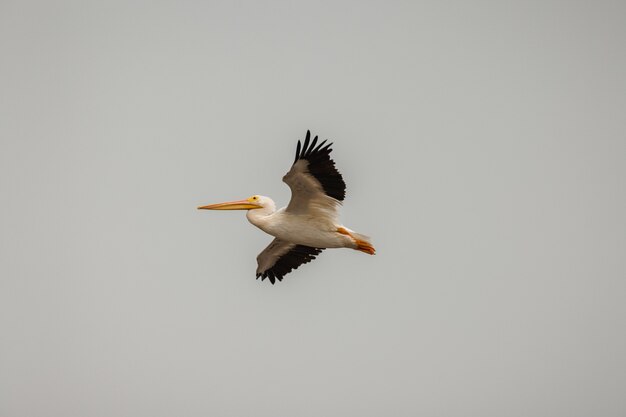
column 310, row 222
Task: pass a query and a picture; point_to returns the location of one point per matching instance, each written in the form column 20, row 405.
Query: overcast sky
column 484, row 149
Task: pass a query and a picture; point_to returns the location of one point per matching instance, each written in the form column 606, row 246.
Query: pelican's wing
column 281, row 257
column 314, row 181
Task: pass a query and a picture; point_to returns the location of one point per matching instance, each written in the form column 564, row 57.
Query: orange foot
column 362, row 245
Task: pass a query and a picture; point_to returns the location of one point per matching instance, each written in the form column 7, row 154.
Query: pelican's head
column 251, row 203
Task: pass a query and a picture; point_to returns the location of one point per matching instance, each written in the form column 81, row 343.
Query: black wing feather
column 322, row 167
column 306, row 142
column 297, row 153
column 291, row 260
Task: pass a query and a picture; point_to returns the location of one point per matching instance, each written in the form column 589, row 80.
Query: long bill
column 231, row 205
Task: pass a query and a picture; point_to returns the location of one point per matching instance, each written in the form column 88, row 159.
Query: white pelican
column 310, row 223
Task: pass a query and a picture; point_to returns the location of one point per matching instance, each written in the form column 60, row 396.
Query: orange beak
column 231, row 205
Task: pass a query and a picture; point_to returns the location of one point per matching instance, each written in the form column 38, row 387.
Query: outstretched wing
column 281, row 257
column 314, row 181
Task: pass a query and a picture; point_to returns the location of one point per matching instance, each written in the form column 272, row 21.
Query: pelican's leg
column 361, row 245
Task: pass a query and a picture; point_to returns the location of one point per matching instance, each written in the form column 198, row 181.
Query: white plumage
column 310, row 222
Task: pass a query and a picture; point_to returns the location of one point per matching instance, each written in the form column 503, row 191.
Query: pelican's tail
column 365, row 247
column 362, row 242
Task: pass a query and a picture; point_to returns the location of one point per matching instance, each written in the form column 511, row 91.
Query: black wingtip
column 304, row 151
column 306, row 143
column 319, row 146
column 297, row 152
column 310, row 150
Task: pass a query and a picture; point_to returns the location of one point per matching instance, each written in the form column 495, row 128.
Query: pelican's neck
column 259, row 217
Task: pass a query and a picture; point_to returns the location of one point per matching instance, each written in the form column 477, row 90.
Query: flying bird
column 310, row 222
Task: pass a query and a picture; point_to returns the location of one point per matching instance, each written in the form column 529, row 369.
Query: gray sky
column 484, row 148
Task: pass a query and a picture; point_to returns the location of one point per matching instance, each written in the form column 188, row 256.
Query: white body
column 302, row 229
